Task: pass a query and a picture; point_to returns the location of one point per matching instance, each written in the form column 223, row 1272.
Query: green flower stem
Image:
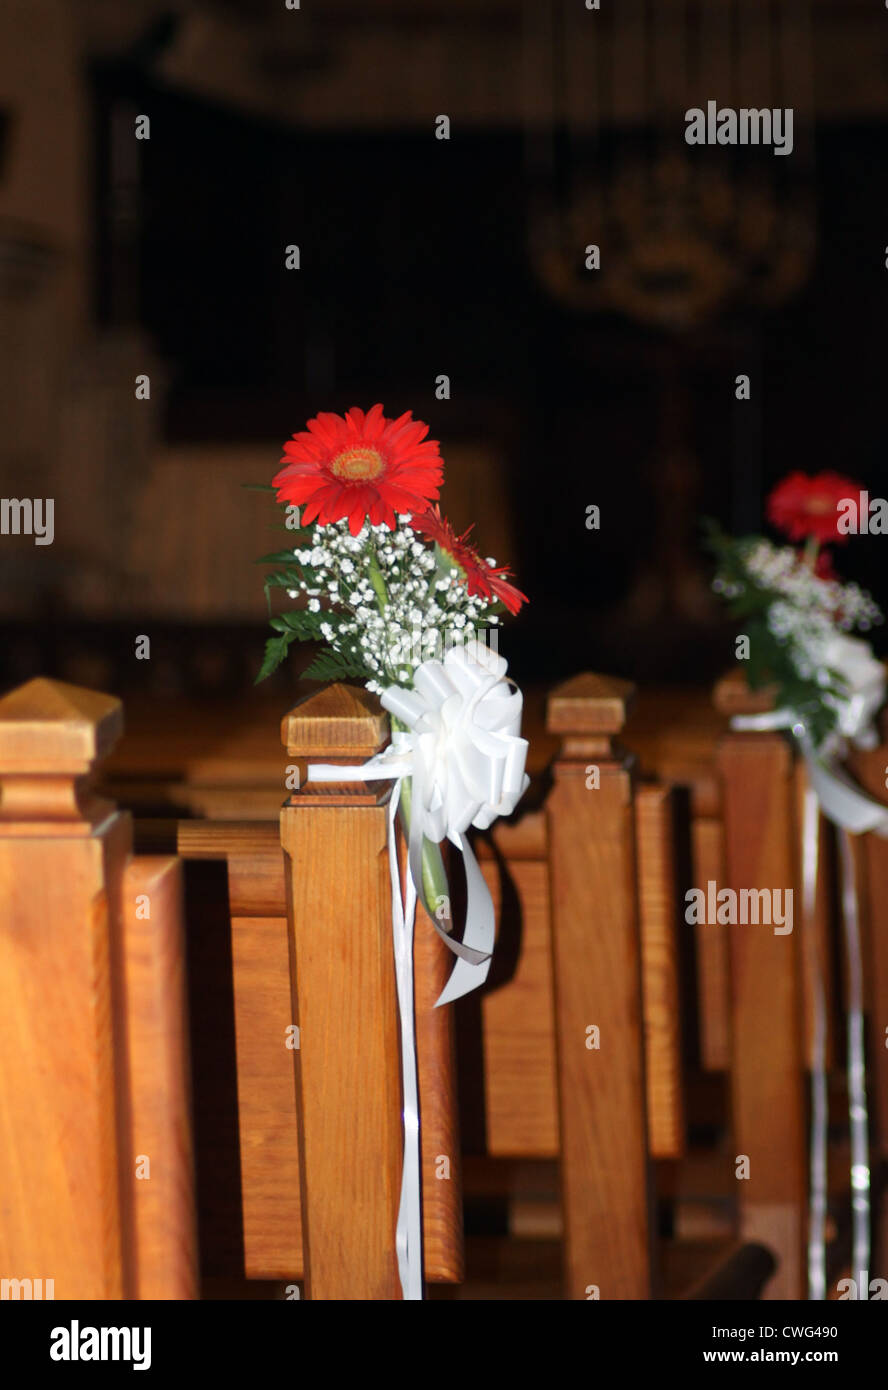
column 812, row 549
column 378, row 582
column 434, row 875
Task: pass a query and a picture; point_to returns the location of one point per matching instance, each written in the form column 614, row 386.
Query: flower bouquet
column 407, row 606
column 797, row 613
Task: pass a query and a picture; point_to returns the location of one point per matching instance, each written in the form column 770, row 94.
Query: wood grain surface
column 160, row 1161
column 598, row 986
column 659, row 970
column 767, row 1067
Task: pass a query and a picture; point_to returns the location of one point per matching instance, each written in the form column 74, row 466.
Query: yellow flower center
column 360, row 464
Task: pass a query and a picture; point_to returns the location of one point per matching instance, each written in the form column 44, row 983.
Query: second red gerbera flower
column 801, row 506
column 363, row 467
column 486, row 581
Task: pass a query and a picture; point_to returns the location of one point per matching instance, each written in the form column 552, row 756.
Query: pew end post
column 597, row 977
column 92, row 1009
column 348, row 1083
column 768, row 1080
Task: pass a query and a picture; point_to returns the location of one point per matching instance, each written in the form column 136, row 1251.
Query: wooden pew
column 337, row 884
column 92, row 948
column 598, row 940
column 95, row 1132
column 522, row 1027
column 750, row 989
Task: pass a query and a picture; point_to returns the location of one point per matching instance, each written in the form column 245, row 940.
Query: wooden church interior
column 572, row 1171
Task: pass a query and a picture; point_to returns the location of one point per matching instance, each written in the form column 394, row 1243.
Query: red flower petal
column 483, row 580
column 360, row 462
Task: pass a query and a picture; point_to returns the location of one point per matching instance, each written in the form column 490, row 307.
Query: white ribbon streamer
column 819, row 1096
column 849, row 808
column 464, row 755
column 408, row 1232
column 857, row 1112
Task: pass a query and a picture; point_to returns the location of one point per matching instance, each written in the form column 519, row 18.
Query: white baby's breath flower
column 408, row 629
column 808, row 611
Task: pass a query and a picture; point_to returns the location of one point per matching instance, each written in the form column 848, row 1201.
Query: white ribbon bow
column 864, row 693
column 465, row 759
column 464, row 755
column 842, row 800
column 849, row 807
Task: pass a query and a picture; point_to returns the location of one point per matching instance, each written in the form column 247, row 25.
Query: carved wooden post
column 767, row 1069
column 60, row 852
column 91, row 1020
column 347, row 1072
column 598, row 996
column 348, row 1061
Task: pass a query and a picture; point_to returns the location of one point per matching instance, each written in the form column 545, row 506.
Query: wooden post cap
column 340, row 721
column 732, row 695
column 48, row 727
column 589, row 704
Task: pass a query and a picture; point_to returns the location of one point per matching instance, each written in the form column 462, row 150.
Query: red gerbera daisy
column 801, row 506
column 361, row 467
column 486, row 581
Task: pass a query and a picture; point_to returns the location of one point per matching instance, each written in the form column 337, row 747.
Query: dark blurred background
column 420, row 258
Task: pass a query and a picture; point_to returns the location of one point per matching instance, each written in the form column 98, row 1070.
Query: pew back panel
column 161, row 1148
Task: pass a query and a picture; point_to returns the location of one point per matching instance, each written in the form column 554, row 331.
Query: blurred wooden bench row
column 298, row 1149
